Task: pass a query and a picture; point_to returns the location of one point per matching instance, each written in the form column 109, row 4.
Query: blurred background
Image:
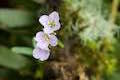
column 88, row 47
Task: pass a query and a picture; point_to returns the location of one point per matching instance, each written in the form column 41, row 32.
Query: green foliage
column 60, row 44
column 15, row 18
column 23, row 50
column 11, row 60
column 115, row 76
column 91, row 22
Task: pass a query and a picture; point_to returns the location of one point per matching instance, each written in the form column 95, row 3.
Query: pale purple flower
column 46, row 37
column 51, row 23
column 41, row 54
column 44, row 40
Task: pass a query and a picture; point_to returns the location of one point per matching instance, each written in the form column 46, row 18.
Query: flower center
column 46, row 37
column 51, row 23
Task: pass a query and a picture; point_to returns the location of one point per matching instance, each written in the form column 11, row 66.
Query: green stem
column 114, row 12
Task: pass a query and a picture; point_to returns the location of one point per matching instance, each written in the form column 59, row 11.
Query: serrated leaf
column 15, row 18
column 11, row 60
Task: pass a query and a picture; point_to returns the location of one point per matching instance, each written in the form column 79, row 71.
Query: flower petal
column 48, row 30
column 53, row 40
column 54, row 16
column 43, row 45
column 41, row 54
column 57, row 27
column 44, row 20
column 41, row 41
column 39, row 36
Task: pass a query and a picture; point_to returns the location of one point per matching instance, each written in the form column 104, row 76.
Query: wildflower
column 47, row 36
column 44, row 40
column 51, row 23
column 41, row 54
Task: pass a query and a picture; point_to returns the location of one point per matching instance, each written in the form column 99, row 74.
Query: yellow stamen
column 46, row 38
column 51, row 23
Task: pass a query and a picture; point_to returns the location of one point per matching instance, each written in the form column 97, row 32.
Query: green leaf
column 23, row 50
column 15, row 18
column 60, row 44
column 34, row 42
column 11, row 60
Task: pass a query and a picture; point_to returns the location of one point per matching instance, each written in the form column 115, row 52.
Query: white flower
column 44, row 40
column 51, row 23
column 41, row 54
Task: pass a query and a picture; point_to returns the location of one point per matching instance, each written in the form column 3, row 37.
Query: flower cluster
column 47, row 37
